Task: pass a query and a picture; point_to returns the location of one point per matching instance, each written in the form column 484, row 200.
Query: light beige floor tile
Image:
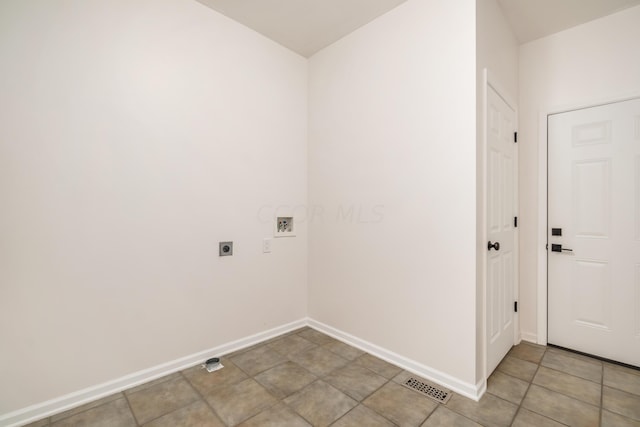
column 319, row 361
column 285, row 379
column 577, row 366
column 320, row 404
column 297, row 331
column 361, row 416
column 77, row 410
column 443, row 417
column 378, row 366
column 518, row 368
column 114, row 413
column 622, row 379
column 621, row 403
column 244, row 350
column 356, row 381
column 238, row 402
column 316, row 337
column 196, row 414
column 343, row 350
column 527, row 351
column 575, row 387
column 205, row 381
column 152, row 383
column 276, row 416
column 160, row 399
column 609, row 419
column 561, row 408
column 574, row 355
column 526, row 418
column 291, row 344
column 400, row 405
column 260, row 359
column 625, row 369
column 507, row 387
column 490, row 410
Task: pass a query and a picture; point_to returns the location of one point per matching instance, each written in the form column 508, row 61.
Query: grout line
column 563, row 394
column 345, row 414
column 435, row 408
column 455, row 412
column 299, row 391
column 148, row 384
column 319, row 378
column 586, row 356
column 571, row 375
column 126, row 399
column 530, row 382
column 601, row 394
column 374, row 392
column 513, row 376
column 86, row 409
column 182, row 378
column 201, row 396
column 358, row 402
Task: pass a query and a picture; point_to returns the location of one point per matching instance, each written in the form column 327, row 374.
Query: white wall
column 497, row 52
column 585, row 65
column 135, row 135
column 392, row 141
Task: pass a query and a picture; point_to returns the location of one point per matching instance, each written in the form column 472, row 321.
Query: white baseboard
column 529, row 337
column 472, row 391
column 72, row 400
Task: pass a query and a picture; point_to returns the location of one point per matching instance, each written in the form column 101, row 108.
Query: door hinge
column 515, row 306
column 515, row 137
column 515, row 221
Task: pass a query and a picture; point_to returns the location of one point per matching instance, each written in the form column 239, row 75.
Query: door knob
column 495, row 246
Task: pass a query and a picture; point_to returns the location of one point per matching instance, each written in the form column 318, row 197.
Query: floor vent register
column 429, row 390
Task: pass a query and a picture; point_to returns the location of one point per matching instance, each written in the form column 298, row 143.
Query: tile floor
column 307, row 378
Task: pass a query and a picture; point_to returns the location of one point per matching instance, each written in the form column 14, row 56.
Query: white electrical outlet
column 266, row 245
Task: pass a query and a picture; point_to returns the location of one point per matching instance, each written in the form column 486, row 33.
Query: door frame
column 490, row 81
column 543, row 205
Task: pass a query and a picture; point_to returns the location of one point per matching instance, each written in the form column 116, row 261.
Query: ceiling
column 306, row 26
column 533, row 19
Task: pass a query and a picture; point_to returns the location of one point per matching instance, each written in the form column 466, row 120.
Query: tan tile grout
column 51, row 422
column 569, row 374
column 455, row 412
column 602, row 394
column 388, row 380
column 133, row 414
column 366, row 397
column 201, row 395
column 530, row 382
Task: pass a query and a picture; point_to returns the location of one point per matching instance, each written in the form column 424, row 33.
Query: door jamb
column 543, row 207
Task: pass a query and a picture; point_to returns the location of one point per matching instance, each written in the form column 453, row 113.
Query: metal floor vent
column 431, row 391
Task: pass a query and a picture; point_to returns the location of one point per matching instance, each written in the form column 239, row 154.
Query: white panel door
column 594, row 253
column 501, row 231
